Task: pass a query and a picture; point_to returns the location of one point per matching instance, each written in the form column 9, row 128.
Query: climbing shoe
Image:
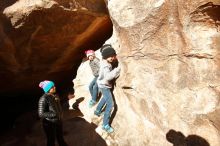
column 97, row 113
column 108, row 128
column 91, row 103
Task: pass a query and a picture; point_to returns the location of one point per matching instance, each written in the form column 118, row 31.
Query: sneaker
column 108, row 128
column 91, row 103
column 97, row 113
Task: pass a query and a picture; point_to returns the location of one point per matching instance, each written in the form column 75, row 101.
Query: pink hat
column 89, row 52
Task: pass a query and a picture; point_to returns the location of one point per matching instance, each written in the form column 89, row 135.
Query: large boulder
column 46, row 39
column 168, row 90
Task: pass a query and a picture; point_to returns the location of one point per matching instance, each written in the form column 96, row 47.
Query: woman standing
column 49, row 109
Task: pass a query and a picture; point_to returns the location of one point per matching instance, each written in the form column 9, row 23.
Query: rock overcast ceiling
column 45, row 39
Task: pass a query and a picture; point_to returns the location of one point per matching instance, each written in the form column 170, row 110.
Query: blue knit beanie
column 46, row 85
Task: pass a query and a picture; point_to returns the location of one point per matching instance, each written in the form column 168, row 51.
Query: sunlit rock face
column 168, row 90
column 46, row 39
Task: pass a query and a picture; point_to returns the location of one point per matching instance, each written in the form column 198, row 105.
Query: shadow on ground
column 27, row 131
column 178, row 139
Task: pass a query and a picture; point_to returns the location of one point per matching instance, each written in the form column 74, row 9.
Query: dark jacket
column 49, row 108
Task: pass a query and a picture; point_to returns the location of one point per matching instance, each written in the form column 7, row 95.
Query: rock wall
column 168, row 90
column 46, row 39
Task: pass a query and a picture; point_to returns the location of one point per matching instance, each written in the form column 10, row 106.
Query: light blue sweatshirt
column 106, row 74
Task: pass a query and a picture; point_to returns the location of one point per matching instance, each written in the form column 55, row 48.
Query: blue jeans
column 93, row 89
column 108, row 100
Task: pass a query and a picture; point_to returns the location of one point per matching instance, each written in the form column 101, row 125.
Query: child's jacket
column 49, row 108
column 94, row 64
column 106, row 75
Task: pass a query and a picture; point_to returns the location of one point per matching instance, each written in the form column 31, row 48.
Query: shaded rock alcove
column 45, row 39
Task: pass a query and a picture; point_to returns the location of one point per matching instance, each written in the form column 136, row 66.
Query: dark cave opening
column 12, row 106
column 15, row 103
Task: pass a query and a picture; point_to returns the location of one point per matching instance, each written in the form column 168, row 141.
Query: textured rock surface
column 45, row 39
column 168, row 91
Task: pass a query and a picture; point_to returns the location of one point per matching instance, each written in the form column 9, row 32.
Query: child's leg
column 93, row 89
column 109, row 106
column 101, row 103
